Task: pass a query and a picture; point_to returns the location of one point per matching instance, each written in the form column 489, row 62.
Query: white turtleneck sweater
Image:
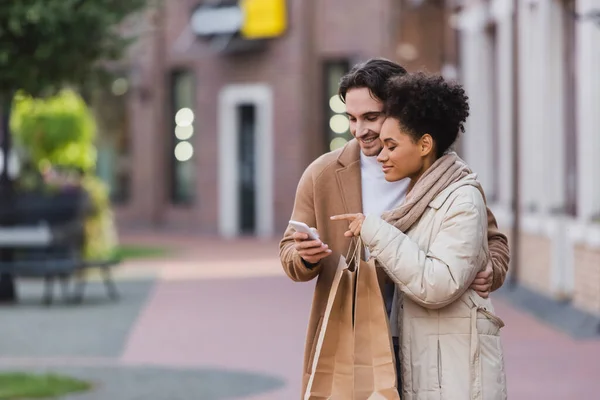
column 378, row 196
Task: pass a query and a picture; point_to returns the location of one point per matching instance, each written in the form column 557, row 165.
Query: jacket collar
column 350, row 153
column 441, row 198
column 349, row 177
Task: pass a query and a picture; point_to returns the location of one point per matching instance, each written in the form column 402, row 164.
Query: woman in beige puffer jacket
column 432, row 247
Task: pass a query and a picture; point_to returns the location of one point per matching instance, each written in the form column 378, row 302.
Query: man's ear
column 426, row 145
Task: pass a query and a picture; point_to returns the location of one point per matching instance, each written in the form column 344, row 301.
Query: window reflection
column 337, row 126
column 182, row 134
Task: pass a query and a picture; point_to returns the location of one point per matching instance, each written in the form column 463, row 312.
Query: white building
column 558, row 131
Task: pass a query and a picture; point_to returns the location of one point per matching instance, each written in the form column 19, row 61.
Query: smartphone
column 303, row 228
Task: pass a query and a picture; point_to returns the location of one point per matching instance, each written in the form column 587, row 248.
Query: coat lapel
column 349, row 179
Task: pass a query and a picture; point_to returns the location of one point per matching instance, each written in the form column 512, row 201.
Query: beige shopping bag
column 353, row 357
column 374, row 362
column 332, row 372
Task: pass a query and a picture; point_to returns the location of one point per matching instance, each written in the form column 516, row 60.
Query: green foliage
column 100, row 231
column 130, row 252
column 17, row 385
column 45, row 44
column 59, row 130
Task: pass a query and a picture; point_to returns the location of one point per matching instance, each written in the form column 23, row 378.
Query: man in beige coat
column 349, row 180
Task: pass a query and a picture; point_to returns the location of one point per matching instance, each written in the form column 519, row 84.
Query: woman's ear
column 426, row 145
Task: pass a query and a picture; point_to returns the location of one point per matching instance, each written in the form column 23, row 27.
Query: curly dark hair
column 373, row 75
column 428, row 104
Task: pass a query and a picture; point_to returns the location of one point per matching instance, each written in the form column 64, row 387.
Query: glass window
column 182, row 121
column 337, row 125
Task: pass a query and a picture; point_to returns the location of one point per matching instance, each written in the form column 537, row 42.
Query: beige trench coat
column 450, row 344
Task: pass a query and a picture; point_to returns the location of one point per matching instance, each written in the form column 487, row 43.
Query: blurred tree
column 59, row 130
column 45, row 45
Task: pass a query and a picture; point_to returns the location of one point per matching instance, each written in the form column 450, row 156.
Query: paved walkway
column 219, row 320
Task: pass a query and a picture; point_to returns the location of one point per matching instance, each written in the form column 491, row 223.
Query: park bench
column 45, row 240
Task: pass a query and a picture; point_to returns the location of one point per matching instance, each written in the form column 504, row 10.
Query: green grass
column 128, row 252
column 17, row 385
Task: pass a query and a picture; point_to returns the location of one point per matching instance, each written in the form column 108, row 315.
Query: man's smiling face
column 366, row 116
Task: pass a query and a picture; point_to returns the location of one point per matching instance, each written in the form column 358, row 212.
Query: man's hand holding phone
column 308, row 245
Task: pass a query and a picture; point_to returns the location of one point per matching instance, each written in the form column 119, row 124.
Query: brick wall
column 535, row 263
column 586, row 295
column 290, row 65
column 535, row 271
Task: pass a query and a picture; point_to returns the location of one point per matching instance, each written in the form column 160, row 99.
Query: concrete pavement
column 219, row 320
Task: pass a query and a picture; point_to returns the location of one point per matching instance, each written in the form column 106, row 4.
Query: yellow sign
column 263, row 18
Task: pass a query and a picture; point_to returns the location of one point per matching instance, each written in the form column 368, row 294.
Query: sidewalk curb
column 562, row 315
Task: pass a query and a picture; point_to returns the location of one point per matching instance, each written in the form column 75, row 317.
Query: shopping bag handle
column 354, row 254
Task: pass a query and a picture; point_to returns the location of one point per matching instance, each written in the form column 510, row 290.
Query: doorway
column 247, row 168
column 245, row 161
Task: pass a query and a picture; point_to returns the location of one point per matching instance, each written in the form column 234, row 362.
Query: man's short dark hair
column 373, row 75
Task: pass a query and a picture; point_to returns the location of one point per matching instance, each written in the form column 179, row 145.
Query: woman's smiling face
column 402, row 156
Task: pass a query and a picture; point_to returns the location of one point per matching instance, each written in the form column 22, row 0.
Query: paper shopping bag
column 332, row 371
column 354, row 357
column 374, row 362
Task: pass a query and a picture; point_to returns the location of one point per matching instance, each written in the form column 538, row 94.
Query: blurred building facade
column 217, row 129
column 553, row 91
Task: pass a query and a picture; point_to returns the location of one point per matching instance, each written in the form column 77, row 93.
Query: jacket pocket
column 313, row 347
column 492, row 368
column 439, row 360
column 426, row 367
column 454, row 367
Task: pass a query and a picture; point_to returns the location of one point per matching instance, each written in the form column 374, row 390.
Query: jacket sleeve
column 440, row 276
column 499, row 251
column 304, row 211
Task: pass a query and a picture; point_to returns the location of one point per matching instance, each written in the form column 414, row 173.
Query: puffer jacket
column 450, row 344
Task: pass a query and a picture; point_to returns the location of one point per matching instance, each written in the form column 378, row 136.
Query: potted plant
column 57, row 134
